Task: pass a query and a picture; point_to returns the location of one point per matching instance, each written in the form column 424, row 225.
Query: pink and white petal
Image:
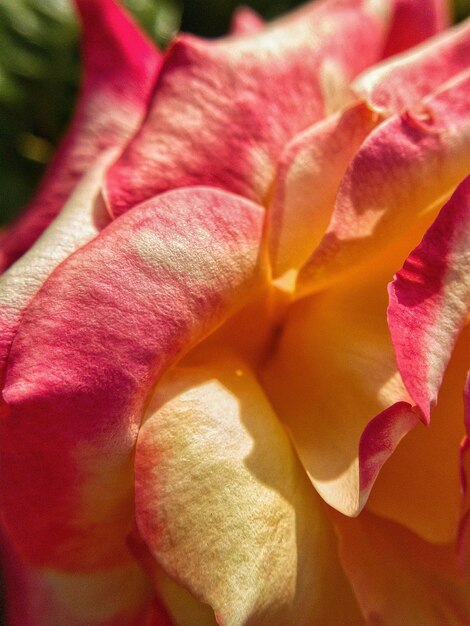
column 402, row 82
column 120, row 68
column 406, row 168
column 308, row 176
column 334, row 383
column 93, row 342
column 246, row 21
column 430, row 301
column 414, row 21
column 81, row 219
column 48, row 597
column 226, row 509
column 223, row 110
column 398, row 577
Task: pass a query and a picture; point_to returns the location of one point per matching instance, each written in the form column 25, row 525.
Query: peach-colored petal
column 223, row 110
column 333, row 381
column 406, row 167
column 399, row 578
column 403, row 81
column 426, row 463
column 121, row 67
column 226, row 509
column 104, row 326
column 245, row 21
column 430, row 301
column 308, row 176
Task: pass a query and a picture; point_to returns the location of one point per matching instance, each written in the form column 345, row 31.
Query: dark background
column 39, row 69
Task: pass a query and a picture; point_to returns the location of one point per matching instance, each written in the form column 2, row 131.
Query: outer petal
column 399, row 578
column 81, row 219
column 430, row 301
column 308, row 176
column 120, row 70
column 92, row 344
column 403, row 81
column 414, row 21
column 223, row 110
column 334, row 383
column 48, row 597
column 227, row 510
column 406, row 167
column 245, row 21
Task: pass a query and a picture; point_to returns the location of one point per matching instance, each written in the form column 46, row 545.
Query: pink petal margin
column 379, row 440
column 245, row 21
column 430, row 301
column 120, row 69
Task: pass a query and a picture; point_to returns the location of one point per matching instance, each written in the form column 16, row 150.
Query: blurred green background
column 39, row 69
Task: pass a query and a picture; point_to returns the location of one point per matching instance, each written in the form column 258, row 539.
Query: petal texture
column 120, row 69
column 226, row 508
column 406, row 167
column 399, row 578
column 81, row 219
column 93, row 342
column 308, row 176
column 403, row 81
column 223, row 110
column 414, row 21
column 430, row 300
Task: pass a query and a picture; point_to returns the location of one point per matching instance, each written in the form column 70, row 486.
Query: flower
column 211, row 407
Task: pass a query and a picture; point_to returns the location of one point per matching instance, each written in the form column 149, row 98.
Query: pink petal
column 430, row 301
column 414, row 21
column 223, row 110
column 404, row 170
column 80, row 220
column 92, row 344
column 121, row 66
column 403, row 81
column 46, row 597
column 245, row 21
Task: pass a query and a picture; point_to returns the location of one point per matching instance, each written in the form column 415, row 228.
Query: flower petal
column 398, row 577
column 121, row 67
column 46, row 597
column 226, row 508
column 333, row 381
column 430, row 301
column 414, row 21
column 81, row 219
column 406, row 167
column 93, row 342
column 426, row 464
column 403, row 81
column 309, row 174
column 223, row 110
column 245, row 21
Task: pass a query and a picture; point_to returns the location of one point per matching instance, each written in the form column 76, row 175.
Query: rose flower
column 213, row 410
